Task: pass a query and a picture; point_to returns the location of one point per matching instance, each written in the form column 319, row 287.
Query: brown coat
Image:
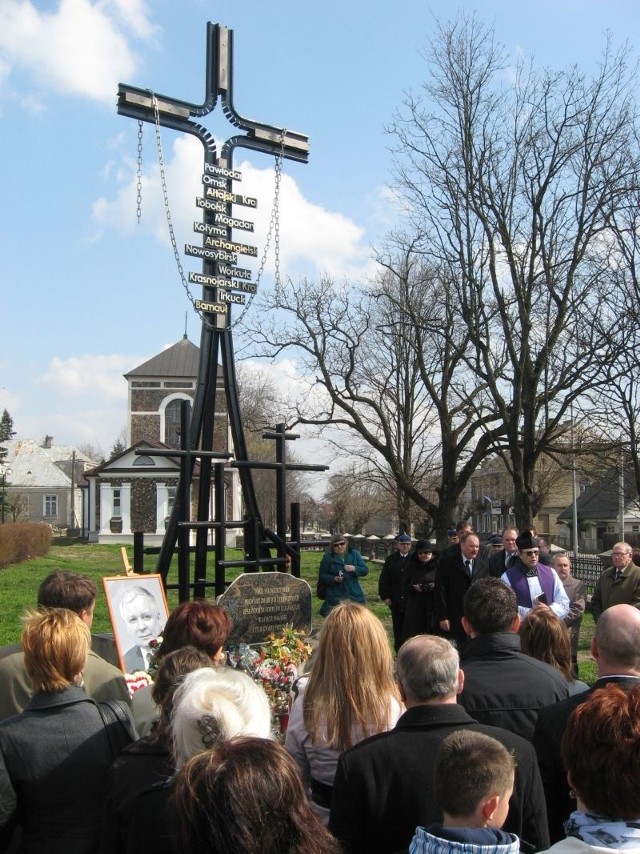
column 608, row 592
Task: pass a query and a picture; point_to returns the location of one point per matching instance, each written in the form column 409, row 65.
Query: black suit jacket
column 504, row 687
column 452, row 582
column 383, row 787
column 547, row 738
column 497, row 564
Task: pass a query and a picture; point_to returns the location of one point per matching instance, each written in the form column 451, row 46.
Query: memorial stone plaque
column 262, row 603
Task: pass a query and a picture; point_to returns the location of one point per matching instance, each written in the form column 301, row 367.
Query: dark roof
column 601, row 501
column 181, row 360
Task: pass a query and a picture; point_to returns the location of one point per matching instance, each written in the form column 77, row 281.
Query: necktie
column 467, row 563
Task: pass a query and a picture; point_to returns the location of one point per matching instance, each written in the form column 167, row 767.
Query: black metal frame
column 216, row 341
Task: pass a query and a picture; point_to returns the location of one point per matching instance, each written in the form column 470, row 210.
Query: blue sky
column 87, row 293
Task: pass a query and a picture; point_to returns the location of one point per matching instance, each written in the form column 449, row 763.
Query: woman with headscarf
column 601, row 753
column 420, row 582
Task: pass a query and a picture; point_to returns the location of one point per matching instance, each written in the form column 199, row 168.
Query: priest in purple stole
column 535, row 583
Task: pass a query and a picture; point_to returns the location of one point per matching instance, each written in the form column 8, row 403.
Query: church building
column 135, row 493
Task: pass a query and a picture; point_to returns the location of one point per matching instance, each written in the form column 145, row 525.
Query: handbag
column 118, row 725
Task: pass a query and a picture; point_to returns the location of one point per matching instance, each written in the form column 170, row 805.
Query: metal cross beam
column 217, row 281
column 176, row 114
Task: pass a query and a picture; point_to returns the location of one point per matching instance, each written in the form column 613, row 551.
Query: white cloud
column 313, row 240
column 80, row 48
column 98, row 377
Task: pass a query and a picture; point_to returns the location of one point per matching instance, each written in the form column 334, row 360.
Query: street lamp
column 4, row 471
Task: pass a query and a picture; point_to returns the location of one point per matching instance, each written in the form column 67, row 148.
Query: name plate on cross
column 219, row 249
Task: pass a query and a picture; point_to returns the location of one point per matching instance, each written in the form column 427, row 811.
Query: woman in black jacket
column 419, row 583
column 54, row 756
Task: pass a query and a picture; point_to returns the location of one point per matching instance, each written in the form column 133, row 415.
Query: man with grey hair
column 383, row 787
column 616, row 649
column 618, row 585
column 575, row 590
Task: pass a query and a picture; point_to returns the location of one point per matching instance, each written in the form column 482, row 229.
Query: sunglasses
column 339, row 544
column 531, row 552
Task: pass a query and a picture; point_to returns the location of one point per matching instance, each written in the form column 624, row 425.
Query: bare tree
column 354, row 499
column 511, row 185
column 261, row 407
column 382, row 363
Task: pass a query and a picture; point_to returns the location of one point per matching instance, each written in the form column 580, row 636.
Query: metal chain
column 274, row 224
column 273, row 230
column 139, row 174
column 165, row 196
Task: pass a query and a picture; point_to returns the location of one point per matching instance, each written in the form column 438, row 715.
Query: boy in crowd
column 473, row 781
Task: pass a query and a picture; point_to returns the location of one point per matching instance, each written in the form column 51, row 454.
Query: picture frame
column 138, row 612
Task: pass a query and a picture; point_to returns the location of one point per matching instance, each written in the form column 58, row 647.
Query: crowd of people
column 476, row 737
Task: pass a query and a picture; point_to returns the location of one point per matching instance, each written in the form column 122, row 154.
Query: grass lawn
column 19, row 583
column 19, row 586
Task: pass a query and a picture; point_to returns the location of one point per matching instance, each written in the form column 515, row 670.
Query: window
column 172, row 423
column 50, row 505
column 171, row 499
column 117, row 502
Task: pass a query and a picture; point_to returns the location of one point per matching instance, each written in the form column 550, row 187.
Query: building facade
column 134, row 491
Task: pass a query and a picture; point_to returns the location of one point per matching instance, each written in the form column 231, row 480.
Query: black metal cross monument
column 223, row 283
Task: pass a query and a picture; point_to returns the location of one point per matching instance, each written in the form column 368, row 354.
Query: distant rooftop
column 34, row 466
column 180, row 360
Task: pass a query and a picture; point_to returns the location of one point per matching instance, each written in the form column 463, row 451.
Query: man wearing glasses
column 535, row 584
column 508, row 554
column 618, row 585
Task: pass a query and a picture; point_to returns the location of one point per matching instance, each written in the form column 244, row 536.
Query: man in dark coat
column 503, row 686
column 392, row 588
column 618, row 585
column 616, row 649
column 383, row 787
column 502, row 560
column 453, row 578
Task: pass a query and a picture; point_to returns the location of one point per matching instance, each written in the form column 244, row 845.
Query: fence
column 588, row 568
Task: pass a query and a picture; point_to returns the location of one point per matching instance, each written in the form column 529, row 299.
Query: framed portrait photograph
column 138, row 611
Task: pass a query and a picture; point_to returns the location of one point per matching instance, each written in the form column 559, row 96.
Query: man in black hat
column 391, row 586
column 535, row 583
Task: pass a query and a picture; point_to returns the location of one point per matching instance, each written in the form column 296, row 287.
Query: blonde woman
column 55, row 755
column 349, row 695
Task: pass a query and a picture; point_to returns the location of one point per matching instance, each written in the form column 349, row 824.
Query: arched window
column 172, row 423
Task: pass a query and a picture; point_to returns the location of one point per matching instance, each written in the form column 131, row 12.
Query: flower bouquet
column 277, row 664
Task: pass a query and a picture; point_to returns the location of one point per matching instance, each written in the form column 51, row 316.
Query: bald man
column 616, row 650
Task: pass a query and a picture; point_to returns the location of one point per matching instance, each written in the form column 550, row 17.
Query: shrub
column 23, row 540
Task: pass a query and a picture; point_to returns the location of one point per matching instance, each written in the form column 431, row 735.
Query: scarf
column 603, row 832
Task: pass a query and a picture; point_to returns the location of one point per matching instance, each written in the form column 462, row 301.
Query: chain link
column 274, row 222
column 167, row 210
column 139, row 174
column 273, row 231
